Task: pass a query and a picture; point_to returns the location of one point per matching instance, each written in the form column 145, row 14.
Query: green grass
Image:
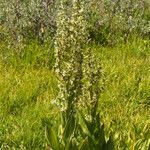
column 125, row 101
column 24, row 102
column 27, row 86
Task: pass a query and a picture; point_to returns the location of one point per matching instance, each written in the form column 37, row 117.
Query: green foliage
column 92, row 139
column 124, row 104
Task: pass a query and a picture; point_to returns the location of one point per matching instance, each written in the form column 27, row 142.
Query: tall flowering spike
column 71, row 37
column 91, row 90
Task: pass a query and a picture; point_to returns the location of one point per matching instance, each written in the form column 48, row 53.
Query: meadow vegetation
column 30, row 113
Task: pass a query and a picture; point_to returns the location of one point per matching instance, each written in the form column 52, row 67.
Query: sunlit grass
column 27, row 86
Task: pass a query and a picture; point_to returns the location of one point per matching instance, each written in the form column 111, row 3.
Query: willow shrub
column 109, row 22
column 112, row 22
column 28, row 19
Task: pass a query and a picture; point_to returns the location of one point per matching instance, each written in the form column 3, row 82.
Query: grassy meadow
column 28, row 85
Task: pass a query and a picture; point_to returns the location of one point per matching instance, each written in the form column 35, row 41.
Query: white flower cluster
column 70, row 40
column 75, row 66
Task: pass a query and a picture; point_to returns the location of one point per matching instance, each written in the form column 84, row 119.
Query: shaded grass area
column 24, row 103
column 27, row 86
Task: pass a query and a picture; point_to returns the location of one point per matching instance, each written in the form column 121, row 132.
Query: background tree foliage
column 109, row 22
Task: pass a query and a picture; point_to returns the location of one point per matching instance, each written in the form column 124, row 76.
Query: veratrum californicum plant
column 70, row 39
column 78, row 77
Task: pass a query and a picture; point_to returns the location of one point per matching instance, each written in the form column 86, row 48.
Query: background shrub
column 110, row 22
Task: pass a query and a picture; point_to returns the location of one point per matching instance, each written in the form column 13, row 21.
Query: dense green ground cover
column 28, row 84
